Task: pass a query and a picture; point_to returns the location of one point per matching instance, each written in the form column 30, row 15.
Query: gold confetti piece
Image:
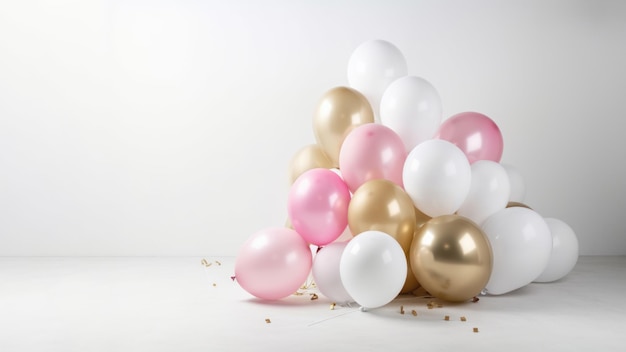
column 332, row 306
column 214, row 284
column 298, row 293
column 205, row 263
column 414, row 312
column 475, row 299
column 446, row 318
column 313, row 297
column 218, row 262
column 267, row 320
column 401, row 309
column 475, row 329
column 463, row 319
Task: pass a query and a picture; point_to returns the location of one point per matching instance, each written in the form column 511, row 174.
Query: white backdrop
column 166, row 127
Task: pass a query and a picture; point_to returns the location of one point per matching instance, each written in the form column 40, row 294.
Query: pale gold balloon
column 307, row 158
column 383, row 206
column 420, row 218
column 411, row 283
column 517, row 204
column 451, row 258
column 340, row 110
column 288, row 223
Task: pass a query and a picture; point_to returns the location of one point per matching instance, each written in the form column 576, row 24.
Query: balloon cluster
column 394, row 198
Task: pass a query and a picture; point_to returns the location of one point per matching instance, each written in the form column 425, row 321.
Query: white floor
column 178, row 304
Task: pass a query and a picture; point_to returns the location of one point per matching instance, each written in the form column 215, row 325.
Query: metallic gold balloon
column 309, row 157
column 384, row 206
column 451, row 258
column 517, row 204
column 339, row 111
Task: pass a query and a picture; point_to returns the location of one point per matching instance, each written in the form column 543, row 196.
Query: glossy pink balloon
column 273, row 263
column 475, row 134
column 318, row 206
column 372, row 151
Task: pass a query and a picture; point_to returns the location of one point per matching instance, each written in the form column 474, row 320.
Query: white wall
column 165, row 127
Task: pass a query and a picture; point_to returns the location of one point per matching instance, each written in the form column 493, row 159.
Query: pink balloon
column 318, row 206
column 475, row 134
column 372, row 151
column 325, row 270
column 273, row 263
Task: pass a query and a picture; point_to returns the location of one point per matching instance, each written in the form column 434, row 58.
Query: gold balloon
column 451, row 258
column 384, row 206
column 420, row 218
column 340, row 110
column 288, row 223
column 411, row 283
column 517, row 204
column 309, row 157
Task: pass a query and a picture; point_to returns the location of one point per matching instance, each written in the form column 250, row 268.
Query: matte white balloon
column 564, row 251
column 326, row 272
column 521, row 244
column 372, row 67
column 437, row 176
column 411, row 106
column 373, row 268
column 489, row 191
column 518, row 184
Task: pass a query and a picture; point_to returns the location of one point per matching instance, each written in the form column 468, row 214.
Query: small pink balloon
column 325, row 271
column 372, row 151
column 273, row 263
column 475, row 134
column 318, row 206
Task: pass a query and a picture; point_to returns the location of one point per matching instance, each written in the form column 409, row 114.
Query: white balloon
column 521, row 244
column 326, row 272
column 372, row 67
column 518, row 185
column 411, row 106
column 437, row 176
column 564, row 251
column 373, row 268
column 489, row 191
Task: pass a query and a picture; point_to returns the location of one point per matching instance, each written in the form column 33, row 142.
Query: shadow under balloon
column 426, row 307
column 429, row 308
column 305, row 299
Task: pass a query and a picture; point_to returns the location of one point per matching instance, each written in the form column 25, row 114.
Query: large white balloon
column 518, row 184
column 372, row 67
column 373, row 268
column 437, row 176
column 564, row 251
column 489, row 191
column 411, row 106
column 326, row 272
column 521, row 244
